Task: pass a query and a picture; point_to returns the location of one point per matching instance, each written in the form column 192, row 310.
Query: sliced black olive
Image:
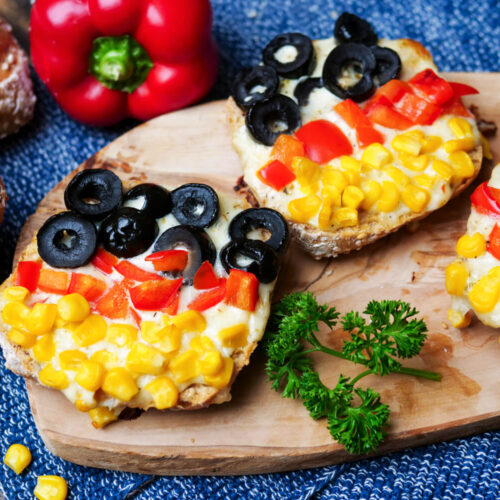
column 263, row 260
column 156, row 200
column 128, row 232
column 67, row 240
column 304, row 88
column 196, row 240
column 261, row 218
column 94, row 193
column 254, row 84
column 351, row 28
column 195, row 205
column 268, row 119
column 361, row 59
column 388, row 64
column 302, row 64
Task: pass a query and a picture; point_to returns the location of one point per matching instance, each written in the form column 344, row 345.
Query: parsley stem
column 359, row 376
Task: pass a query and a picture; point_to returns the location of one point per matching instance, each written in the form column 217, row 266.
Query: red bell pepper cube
column 53, row 281
column 242, row 290
column 368, row 135
column 286, row 148
column 205, row 277
column 114, row 304
column 393, row 90
column 104, row 261
column 136, row 316
column 486, row 200
column 432, row 87
column 418, row 110
column 88, row 286
column 276, row 175
column 456, row 107
column 323, row 141
column 169, row 260
column 132, row 272
column 382, row 112
column 461, row 89
column 28, row 274
column 494, row 242
column 173, row 304
column 154, row 295
column 210, row 298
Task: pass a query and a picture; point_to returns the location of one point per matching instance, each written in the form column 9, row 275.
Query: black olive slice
column 67, row 240
column 264, row 261
column 94, row 193
column 196, row 240
column 351, row 28
column 268, row 119
column 303, row 51
column 156, row 200
column 254, row 84
column 304, row 88
column 363, row 60
column 388, row 64
column 195, row 205
column 128, row 232
column 261, row 218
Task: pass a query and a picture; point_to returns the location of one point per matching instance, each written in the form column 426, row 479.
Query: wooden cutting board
column 258, row 431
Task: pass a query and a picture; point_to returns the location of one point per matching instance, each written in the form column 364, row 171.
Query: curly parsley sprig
column 356, row 417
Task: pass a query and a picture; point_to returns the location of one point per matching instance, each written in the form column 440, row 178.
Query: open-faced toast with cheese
column 142, row 297
column 351, row 137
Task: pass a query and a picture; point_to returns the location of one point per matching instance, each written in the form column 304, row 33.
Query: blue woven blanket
column 462, row 36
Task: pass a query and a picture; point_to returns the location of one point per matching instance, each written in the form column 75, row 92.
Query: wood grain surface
column 258, row 431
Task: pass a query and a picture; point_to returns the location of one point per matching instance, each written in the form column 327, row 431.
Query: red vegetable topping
column 494, row 242
column 380, row 110
column 53, row 281
column 169, row 260
column 154, row 295
column 104, row 261
column 28, row 274
column 88, row 286
column 242, row 290
column 433, row 88
column 132, row 272
column 209, row 298
column 483, row 199
column 286, row 148
column 418, row 110
column 205, row 277
column 276, row 175
column 461, row 89
column 114, row 304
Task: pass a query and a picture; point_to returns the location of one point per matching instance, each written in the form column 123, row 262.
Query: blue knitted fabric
column 462, row 36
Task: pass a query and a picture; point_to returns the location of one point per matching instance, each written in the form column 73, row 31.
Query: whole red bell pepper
column 104, row 60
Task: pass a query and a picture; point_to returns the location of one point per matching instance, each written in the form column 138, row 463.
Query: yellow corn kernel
column 430, row 144
column 414, row 163
column 234, row 336
column 456, row 278
column 307, row 173
column 462, row 164
column 471, row 245
column 120, row 384
column 464, row 144
column 376, row 156
column 390, row 197
column 50, row 488
column 41, row 318
column 184, row 367
column 85, row 406
column 101, row 417
column 460, row 127
column 145, row 359
column 443, row 169
column 57, row 379
column 484, row 295
column 22, row 338
column 415, row 198
column 190, row 321
column 397, row 175
column 15, row 313
column 90, row 375
column 303, row 209
column 333, row 177
column 201, row 343
column 73, row 307
column 91, row 330
column 16, row 293
column 404, row 143
column 44, row 348
column 71, row 359
column 486, row 147
column 372, row 191
column 353, row 177
column 459, row 320
column 350, row 163
column 164, row 391
column 345, row 217
column 211, row 363
column 416, row 134
column 122, row 334
column 107, row 359
column 425, row 180
column 18, row 457
column 150, row 330
column 326, row 213
column 352, row 197
column 333, row 194
column 222, row 378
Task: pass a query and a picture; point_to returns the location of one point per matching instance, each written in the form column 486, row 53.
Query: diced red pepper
column 28, row 274
column 461, row 89
column 368, row 135
column 154, row 295
column 242, row 290
column 323, row 141
column 205, row 277
column 53, row 281
column 494, row 242
column 210, row 298
column 132, row 272
column 114, row 304
column 88, row 286
column 276, row 175
column 432, row 87
column 169, row 260
column 456, row 107
column 418, row 110
column 286, row 148
column 173, row 304
column 136, row 316
column 382, row 112
column 393, row 90
column 104, row 261
column 483, row 199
